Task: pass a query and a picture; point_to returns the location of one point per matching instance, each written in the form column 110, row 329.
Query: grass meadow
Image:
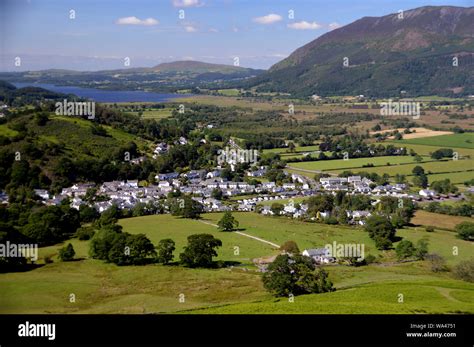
column 106, row 288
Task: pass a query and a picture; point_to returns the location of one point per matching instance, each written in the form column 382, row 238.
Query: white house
column 427, row 193
column 320, row 255
column 42, row 193
column 163, row 184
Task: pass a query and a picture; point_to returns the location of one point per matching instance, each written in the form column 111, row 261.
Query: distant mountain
column 197, row 67
column 411, row 52
column 165, row 77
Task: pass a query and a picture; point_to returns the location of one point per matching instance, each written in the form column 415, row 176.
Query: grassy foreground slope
column 107, row 288
column 382, row 298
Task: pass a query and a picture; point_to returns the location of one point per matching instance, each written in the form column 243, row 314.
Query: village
column 202, row 185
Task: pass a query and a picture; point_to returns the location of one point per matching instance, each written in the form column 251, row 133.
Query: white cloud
column 268, row 19
column 213, row 30
column 278, row 55
column 136, row 21
column 187, row 3
column 303, row 25
column 190, row 29
column 334, row 25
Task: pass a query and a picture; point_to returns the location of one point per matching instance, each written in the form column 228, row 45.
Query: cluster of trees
column 391, row 213
column 381, row 230
column 30, row 222
column 36, row 223
column 186, row 207
column 357, row 148
column 109, row 243
column 465, row 231
column 31, row 163
column 466, row 210
column 444, row 186
column 295, row 275
column 8, row 233
column 442, row 153
column 399, row 211
column 407, row 250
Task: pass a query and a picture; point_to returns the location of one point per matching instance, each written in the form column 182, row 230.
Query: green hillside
column 382, row 56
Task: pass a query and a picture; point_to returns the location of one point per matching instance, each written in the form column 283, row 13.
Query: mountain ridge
column 423, row 41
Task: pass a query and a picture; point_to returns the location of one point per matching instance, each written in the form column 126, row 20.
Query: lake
column 100, row 95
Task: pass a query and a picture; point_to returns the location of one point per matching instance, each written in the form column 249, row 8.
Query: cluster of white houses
column 198, row 183
column 301, row 211
column 201, row 184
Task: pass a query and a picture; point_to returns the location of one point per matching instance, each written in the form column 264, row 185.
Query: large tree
column 381, row 230
column 200, row 250
column 295, row 275
column 228, row 222
column 165, row 248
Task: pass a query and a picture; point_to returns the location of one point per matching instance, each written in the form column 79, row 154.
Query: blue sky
column 104, row 32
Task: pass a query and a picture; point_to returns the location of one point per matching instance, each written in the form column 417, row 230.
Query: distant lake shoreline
column 101, row 95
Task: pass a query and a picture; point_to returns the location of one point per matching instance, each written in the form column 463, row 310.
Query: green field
column 428, row 149
column 158, row 113
column 307, row 235
column 465, row 140
column 166, row 226
column 446, row 166
column 229, row 92
column 355, row 163
column 455, row 177
column 107, row 288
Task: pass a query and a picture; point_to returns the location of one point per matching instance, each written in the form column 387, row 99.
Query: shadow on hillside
column 397, row 238
column 20, row 268
column 219, row 264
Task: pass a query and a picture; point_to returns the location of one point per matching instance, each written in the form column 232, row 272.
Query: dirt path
column 246, row 235
column 446, row 293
